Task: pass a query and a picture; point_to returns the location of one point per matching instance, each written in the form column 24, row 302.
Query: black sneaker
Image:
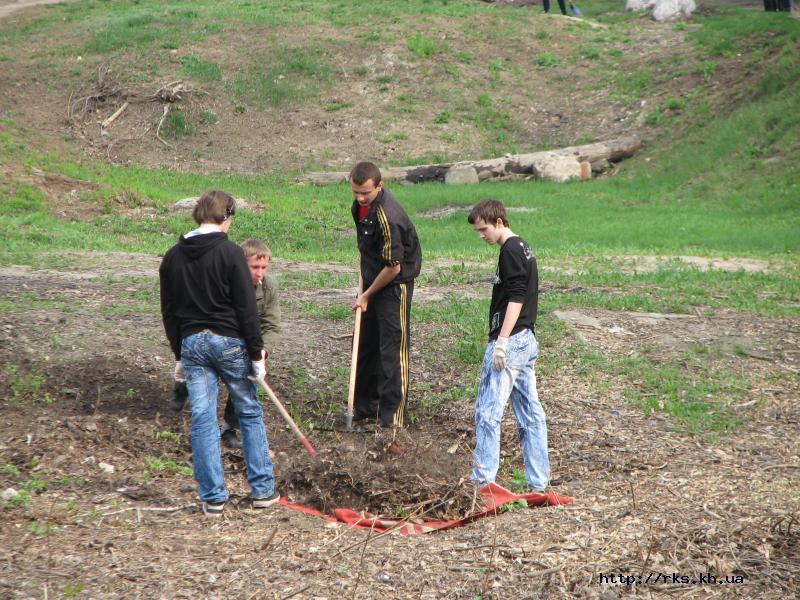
column 341, row 417
column 231, row 440
column 266, row 502
column 213, row 509
column 180, row 394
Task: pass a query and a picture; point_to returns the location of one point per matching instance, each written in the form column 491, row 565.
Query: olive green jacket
column 269, row 311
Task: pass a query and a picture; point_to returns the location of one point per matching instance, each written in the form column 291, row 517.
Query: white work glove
column 179, row 375
column 259, row 370
column 499, row 355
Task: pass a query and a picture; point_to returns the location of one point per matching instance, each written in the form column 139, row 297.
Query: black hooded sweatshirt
column 206, row 284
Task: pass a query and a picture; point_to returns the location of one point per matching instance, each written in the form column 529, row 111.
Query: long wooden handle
column 351, row 392
column 287, row 417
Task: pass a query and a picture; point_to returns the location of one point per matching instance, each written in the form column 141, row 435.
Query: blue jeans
column 206, row 358
column 518, row 382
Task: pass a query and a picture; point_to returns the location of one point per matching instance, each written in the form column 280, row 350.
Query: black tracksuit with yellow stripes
column 386, row 237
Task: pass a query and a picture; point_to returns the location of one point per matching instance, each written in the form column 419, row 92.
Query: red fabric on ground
column 494, row 496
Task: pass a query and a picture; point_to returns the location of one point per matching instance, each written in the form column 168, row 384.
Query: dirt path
column 10, row 6
column 649, row 499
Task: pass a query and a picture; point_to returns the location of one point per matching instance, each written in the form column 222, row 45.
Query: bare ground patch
column 729, row 333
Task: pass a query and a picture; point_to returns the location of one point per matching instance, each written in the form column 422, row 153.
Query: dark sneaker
column 231, row 440
column 266, row 502
column 180, row 394
column 341, row 417
column 359, row 421
column 213, row 509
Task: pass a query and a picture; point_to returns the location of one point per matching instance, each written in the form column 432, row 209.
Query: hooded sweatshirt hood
column 206, row 285
column 195, row 246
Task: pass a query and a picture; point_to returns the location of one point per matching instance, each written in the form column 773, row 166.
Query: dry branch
column 105, row 89
column 160, row 123
column 151, row 509
column 171, row 92
column 113, row 117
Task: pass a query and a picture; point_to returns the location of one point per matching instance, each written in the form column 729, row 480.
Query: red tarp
column 493, row 496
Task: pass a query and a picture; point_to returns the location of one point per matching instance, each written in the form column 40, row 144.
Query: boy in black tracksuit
column 390, row 260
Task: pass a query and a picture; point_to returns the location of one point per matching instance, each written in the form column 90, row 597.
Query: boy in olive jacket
column 266, row 289
column 269, row 311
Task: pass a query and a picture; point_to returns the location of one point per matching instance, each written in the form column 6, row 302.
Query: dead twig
column 347, row 530
column 104, row 90
column 151, row 509
column 69, row 105
column 160, row 123
column 121, row 449
column 300, row 591
column 544, row 572
column 711, row 513
column 343, row 336
column 361, row 560
column 269, row 539
column 113, row 117
column 171, row 92
column 490, row 568
column 398, row 524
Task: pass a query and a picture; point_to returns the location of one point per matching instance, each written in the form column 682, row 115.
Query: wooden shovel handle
column 351, row 392
column 287, row 417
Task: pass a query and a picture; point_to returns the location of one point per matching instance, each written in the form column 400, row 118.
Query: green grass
column 19, row 500
column 677, row 208
column 175, row 125
column 465, row 320
column 422, row 45
column 197, row 68
column 546, row 59
column 696, row 396
column 9, row 469
column 38, row 529
column 679, row 288
column 24, row 387
column 288, row 75
column 166, row 465
column 333, row 312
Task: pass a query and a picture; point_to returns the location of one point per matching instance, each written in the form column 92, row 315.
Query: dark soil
column 123, row 395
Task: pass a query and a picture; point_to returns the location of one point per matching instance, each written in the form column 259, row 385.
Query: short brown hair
column 214, row 207
column 488, row 211
column 364, row 171
column 255, row 248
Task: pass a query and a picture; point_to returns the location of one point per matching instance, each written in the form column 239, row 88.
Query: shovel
column 287, row 417
column 351, row 392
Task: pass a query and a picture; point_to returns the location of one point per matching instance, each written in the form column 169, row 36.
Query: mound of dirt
column 405, row 474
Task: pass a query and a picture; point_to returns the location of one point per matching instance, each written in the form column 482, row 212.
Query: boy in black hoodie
column 210, row 317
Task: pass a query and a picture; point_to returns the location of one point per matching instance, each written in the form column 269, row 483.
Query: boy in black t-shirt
column 509, row 362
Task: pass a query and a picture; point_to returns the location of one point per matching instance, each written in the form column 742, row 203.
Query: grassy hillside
column 295, row 85
column 718, row 176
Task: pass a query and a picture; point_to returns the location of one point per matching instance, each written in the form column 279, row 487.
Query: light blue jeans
column 206, row 358
column 518, row 382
